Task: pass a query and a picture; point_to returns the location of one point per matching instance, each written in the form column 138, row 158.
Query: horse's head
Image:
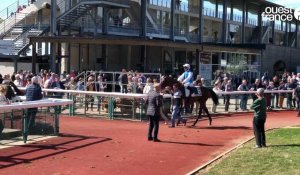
column 169, row 81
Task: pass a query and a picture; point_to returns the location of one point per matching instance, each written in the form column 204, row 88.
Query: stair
column 291, row 39
column 20, row 17
column 255, row 35
column 21, row 43
column 82, row 8
column 151, row 23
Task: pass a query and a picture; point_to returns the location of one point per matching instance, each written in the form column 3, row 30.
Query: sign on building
column 205, row 71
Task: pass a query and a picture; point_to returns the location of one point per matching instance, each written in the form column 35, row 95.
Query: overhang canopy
column 133, row 41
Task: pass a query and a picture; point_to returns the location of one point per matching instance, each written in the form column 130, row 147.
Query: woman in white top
column 217, row 88
column 149, row 86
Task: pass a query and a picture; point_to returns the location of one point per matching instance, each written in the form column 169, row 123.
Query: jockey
column 186, row 79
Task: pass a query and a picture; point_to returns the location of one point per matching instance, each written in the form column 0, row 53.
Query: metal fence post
column 25, row 128
column 71, row 107
column 11, row 119
column 133, row 109
column 236, row 102
column 110, row 108
column 56, row 119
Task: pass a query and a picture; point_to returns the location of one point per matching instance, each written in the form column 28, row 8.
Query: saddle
column 196, row 91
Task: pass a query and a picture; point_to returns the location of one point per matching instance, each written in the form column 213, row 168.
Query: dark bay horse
column 206, row 93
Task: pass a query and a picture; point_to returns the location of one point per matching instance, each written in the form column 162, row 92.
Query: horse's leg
column 208, row 115
column 197, row 107
column 188, row 105
column 192, row 105
column 199, row 115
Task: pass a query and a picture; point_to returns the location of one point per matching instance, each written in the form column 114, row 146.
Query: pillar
column 243, row 21
column 172, row 20
column 16, row 63
column 33, row 67
column 104, row 56
column 224, row 27
column 144, row 58
column 129, row 57
column 69, row 58
column 104, row 21
column 296, row 34
column 260, row 27
column 286, row 34
column 200, row 23
column 216, row 9
column 143, row 19
column 273, row 32
column 53, row 24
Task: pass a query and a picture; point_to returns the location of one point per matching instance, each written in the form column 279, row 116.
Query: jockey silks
column 186, row 78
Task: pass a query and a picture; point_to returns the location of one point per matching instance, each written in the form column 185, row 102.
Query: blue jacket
column 33, row 92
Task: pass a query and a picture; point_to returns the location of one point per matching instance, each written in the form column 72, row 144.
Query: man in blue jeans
column 176, row 105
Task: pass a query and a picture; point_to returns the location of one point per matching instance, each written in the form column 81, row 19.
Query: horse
column 189, row 102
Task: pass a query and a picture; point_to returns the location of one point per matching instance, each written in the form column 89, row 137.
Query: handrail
column 122, row 95
column 36, row 104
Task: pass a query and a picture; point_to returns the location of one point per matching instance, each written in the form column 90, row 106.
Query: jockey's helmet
column 187, row 66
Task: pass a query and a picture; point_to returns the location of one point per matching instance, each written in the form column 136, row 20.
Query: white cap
column 186, row 65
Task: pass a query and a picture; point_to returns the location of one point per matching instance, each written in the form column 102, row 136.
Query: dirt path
column 95, row 146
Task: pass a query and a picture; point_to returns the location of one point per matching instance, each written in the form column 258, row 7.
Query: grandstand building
column 148, row 35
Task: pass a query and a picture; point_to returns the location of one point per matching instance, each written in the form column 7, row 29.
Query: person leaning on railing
column 33, row 93
column 216, row 89
column 281, row 95
column 3, row 101
column 228, row 88
column 244, row 97
column 289, row 98
column 9, row 91
column 90, row 86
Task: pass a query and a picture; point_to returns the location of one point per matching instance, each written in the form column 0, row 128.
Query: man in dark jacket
column 154, row 102
column 33, row 93
column 57, row 84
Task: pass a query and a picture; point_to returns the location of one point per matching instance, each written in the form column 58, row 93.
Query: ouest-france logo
column 281, row 14
column 297, row 14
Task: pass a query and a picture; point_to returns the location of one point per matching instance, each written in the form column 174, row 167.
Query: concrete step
column 10, row 133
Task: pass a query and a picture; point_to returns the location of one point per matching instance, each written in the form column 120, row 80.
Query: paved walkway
column 97, row 146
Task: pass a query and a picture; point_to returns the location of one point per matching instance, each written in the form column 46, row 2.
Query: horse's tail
column 214, row 97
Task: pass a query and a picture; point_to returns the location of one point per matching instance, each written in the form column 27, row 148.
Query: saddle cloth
column 196, row 92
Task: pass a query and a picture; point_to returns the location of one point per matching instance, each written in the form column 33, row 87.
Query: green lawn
column 282, row 156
